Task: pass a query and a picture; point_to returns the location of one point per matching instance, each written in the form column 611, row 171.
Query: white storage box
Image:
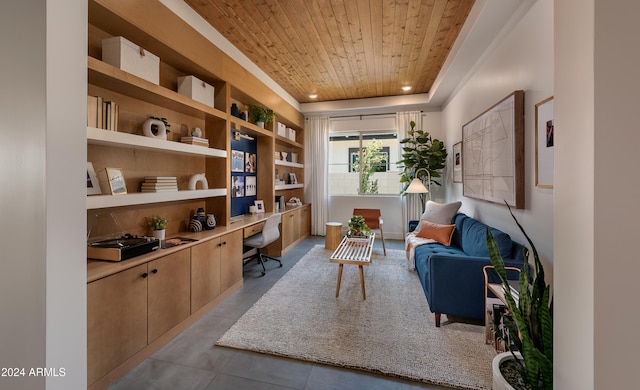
column 126, row 55
column 292, row 134
column 196, row 89
column 282, row 130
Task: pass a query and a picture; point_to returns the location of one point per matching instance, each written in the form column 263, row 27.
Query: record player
column 121, row 248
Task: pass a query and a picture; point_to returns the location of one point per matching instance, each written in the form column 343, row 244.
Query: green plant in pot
column 157, row 225
column 531, row 318
column 259, row 114
column 358, row 227
column 422, row 152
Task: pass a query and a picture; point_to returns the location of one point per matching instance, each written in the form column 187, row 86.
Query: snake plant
column 531, row 318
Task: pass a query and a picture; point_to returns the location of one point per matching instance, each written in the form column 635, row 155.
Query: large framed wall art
column 544, row 143
column 493, row 150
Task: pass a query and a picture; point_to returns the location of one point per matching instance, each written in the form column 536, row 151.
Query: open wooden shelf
column 286, row 163
column 110, row 77
column 133, row 141
column 138, row 198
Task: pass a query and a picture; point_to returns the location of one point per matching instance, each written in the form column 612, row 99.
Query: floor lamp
column 417, row 187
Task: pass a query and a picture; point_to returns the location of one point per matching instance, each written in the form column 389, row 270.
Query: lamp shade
column 416, row 187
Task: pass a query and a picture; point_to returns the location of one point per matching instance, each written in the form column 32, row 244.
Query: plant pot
column 159, row 234
column 499, row 381
column 260, row 124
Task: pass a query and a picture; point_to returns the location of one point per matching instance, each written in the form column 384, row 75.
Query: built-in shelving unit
column 139, row 156
column 180, row 283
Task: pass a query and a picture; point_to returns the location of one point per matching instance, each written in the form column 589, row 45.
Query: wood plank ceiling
column 341, row 49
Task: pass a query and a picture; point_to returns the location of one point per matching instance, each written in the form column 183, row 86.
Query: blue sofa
column 452, row 277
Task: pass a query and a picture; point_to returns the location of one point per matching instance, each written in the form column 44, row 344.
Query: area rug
column 392, row 332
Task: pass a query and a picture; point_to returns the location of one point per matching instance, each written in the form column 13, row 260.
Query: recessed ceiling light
column 313, row 95
column 406, row 88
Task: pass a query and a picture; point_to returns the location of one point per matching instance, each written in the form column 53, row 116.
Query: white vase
column 499, row 383
column 159, row 234
column 162, row 129
column 260, row 124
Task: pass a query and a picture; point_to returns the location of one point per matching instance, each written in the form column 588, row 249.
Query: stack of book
column 195, row 141
column 159, row 184
column 102, row 114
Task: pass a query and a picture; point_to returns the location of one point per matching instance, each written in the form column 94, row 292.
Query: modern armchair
column 373, row 219
column 269, row 234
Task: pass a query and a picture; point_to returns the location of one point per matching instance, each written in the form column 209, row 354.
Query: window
column 362, row 162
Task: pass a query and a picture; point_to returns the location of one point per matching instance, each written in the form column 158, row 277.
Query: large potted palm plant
column 531, row 319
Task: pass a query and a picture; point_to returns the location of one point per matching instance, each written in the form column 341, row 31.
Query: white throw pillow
column 441, row 213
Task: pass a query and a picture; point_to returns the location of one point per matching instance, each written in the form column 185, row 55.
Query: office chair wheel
column 263, row 273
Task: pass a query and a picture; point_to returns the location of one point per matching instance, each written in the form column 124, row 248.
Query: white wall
column 42, row 206
column 615, row 195
column 521, row 58
column 597, row 59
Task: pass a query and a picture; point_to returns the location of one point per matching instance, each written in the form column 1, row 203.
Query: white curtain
column 411, row 204
column 316, row 142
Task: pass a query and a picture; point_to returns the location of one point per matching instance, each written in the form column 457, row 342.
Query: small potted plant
column 158, row 226
column 261, row 115
column 358, row 227
column 531, row 318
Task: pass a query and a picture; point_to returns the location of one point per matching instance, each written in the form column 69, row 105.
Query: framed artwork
column 544, row 143
column 250, row 186
column 292, row 178
column 493, row 150
column 259, row 206
column 93, row 186
column 250, row 162
column 237, row 186
column 457, row 162
column 116, row 181
column 237, row 161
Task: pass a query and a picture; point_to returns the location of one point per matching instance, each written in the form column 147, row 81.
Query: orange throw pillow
column 435, row 231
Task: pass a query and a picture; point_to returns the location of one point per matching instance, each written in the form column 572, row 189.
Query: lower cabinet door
column 169, row 292
column 205, row 273
column 116, row 320
column 230, row 259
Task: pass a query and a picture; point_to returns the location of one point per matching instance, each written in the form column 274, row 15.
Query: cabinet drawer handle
column 154, row 271
column 144, row 275
column 224, row 243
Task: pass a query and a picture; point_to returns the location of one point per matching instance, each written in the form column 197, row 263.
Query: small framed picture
column 250, row 162
column 93, row 186
column 259, row 206
column 250, row 188
column 292, row 178
column 116, row 181
column 457, row 162
column 237, row 186
column 237, row 161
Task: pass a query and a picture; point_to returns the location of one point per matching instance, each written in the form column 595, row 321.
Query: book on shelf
column 156, row 179
column 195, row 141
column 102, row 114
column 158, row 185
column 168, row 189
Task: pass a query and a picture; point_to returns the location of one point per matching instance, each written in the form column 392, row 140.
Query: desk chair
column 373, row 219
column 269, row 234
